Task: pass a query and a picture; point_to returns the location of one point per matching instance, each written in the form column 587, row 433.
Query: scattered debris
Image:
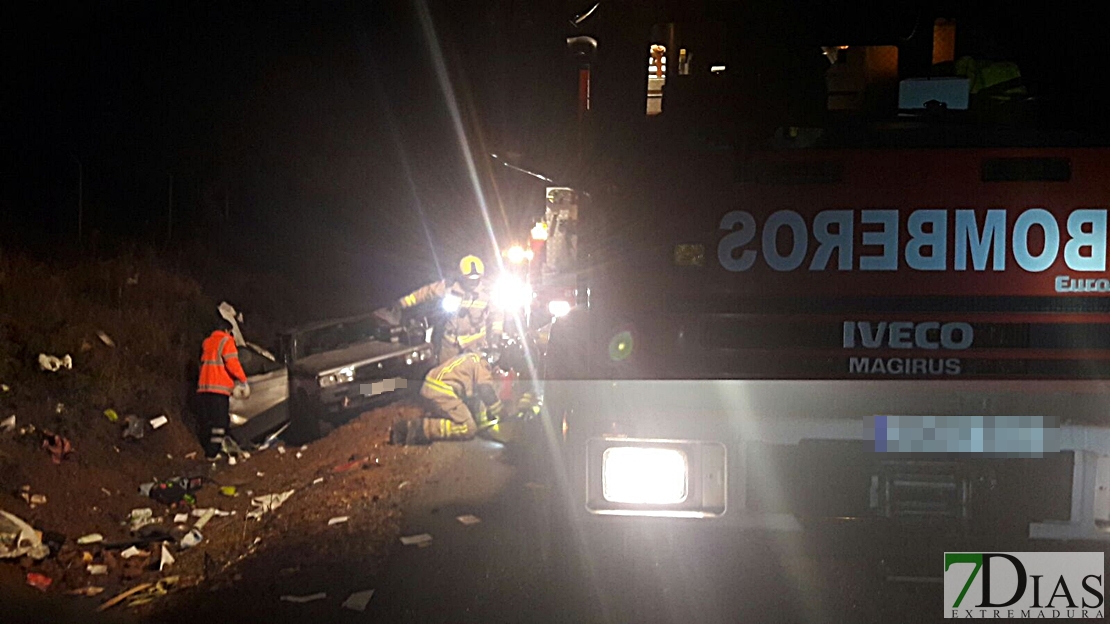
column 60, row 408
column 124, row 596
column 403, row 485
column 150, row 594
column 34, row 500
column 40, row 582
column 8, row 424
column 231, row 461
column 5, row 388
column 350, row 465
column 54, row 364
column 281, row 450
column 158, row 421
column 171, row 491
column 260, row 474
column 232, row 449
column 192, row 455
column 317, row 481
column 165, row 559
column 338, row 520
column 88, row 592
column 416, row 540
column 468, row 519
column 97, row 570
column 59, row 447
column 106, row 491
column 86, row 557
column 134, row 552
column 192, row 538
column 111, row 415
column 140, row 518
column 303, row 599
column 181, row 518
column 105, row 338
column 229, row 491
column 299, row 455
column 358, row 600
column 272, row 438
column 17, row 538
column 135, row 428
column 200, row 513
column 267, row 503
column 91, row 538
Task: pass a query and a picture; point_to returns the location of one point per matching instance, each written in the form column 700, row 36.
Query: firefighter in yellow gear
column 471, row 322
column 460, row 396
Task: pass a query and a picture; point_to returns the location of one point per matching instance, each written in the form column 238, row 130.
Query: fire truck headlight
column 509, row 293
column 558, row 307
column 644, row 475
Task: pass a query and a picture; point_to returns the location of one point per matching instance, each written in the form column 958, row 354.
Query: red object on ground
column 39, row 581
column 507, row 379
column 58, row 446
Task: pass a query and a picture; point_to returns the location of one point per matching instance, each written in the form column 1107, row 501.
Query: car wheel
column 304, row 420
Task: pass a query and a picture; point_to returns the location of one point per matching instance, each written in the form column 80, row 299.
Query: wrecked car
column 326, row 371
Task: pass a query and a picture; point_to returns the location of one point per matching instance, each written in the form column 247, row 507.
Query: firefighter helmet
column 472, row 267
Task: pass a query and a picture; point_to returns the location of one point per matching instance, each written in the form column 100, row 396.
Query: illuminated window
column 657, row 77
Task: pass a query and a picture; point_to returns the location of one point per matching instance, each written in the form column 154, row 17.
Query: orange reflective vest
column 219, row 363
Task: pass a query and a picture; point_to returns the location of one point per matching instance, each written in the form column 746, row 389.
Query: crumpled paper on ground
column 264, row 504
column 54, row 364
column 17, row 538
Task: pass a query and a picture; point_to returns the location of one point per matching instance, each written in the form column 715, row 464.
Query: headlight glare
column 558, row 307
column 644, row 475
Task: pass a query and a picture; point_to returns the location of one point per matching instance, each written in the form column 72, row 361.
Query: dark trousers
column 215, row 419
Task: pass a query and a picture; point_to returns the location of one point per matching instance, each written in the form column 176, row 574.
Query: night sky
column 320, row 126
column 323, row 129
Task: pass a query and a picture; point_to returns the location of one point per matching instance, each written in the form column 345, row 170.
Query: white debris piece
column 468, row 519
column 181, row 518
column 166, row 559
column 5, row 387
column 403, row 485
column 17, row 538
column 299, row 455
column 133, row 552
column 141, row 517
column 308, row 598
column 416, row 540
column 200, row 513
column 358, row 600
column 317, row 481
column 338, row 520
column 265, row 504
column 105, row 338
column 91, row 538
column 8, row 423
column 54, row 364
column 159, row 421
column 231, row 460
column 97, row 570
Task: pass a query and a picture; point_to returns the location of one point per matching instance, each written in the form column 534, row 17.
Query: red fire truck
column 883, row 321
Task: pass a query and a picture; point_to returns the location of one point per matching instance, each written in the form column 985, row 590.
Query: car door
column 267, row 406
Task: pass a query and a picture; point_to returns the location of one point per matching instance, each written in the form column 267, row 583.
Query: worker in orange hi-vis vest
column 219, row 371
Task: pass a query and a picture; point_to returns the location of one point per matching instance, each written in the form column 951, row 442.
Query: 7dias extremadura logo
column 1041, row 585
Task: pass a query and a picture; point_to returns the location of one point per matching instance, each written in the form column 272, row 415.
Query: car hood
column 355, row 355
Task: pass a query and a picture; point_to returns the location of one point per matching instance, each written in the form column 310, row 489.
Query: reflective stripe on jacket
column 475, row 320
column 460, row 376
column 219, row 364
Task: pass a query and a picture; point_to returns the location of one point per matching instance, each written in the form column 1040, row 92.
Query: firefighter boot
column 415, row 434
column 398, row 433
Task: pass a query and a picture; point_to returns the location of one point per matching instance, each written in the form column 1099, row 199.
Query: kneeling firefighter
column 458, row 393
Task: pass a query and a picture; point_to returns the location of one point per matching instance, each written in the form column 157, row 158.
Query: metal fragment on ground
column 338, row 520
column 308, row 598
column 416, row 540
column 358, row 600
column 468, row 519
